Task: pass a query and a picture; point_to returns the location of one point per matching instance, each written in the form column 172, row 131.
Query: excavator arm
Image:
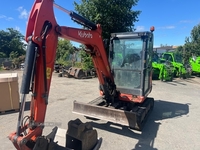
column 42, row 38
column 93, row 41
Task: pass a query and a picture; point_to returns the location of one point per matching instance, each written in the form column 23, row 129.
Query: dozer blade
column 134, row 119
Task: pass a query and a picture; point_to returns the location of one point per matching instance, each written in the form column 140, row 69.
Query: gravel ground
column 173, row 124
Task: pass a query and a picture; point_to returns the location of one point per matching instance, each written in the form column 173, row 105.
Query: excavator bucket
column 134, row 118
column 77, row 73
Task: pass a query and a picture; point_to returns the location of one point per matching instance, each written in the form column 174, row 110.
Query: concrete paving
column 173, row 124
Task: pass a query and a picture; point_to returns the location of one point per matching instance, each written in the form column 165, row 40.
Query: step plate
column 134, row 119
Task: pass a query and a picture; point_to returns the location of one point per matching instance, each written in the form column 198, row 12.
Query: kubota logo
column 84, row 34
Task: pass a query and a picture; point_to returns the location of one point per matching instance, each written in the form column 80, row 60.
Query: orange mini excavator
column 124, row 78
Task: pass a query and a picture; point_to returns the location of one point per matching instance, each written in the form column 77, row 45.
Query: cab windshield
column 127, row 53
column 178, row 58
column 126, row 62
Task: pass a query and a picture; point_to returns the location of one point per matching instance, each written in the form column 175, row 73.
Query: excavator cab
column 130, row 61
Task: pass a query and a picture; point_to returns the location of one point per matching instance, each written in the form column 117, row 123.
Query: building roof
column 166, row 47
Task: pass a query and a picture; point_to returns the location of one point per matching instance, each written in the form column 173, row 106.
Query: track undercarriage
column 129, row 114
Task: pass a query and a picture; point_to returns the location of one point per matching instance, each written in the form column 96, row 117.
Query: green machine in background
column 195, row 64
column 162, row 69
column 176, row 60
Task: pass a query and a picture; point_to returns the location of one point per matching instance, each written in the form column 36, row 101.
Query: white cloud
column 5, row 17
column 2, row 16
column 184, row 27
column 140, row 28
column 186, row 21
column 17, row 28
column 20, row 8
column 166, row 27
column 170, row 27
column 9, row 18
column 23, row 13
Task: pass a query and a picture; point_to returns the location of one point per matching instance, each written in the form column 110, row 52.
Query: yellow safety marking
column 48, row 73
column 108, row 68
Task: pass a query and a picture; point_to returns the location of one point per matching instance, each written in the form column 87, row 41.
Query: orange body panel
column 41, row 12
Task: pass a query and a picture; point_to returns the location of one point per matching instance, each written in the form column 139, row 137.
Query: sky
column 173, row 19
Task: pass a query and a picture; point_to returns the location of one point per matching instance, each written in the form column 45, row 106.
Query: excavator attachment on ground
column 77, row 73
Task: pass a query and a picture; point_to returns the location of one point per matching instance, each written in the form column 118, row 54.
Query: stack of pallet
column 9, row 92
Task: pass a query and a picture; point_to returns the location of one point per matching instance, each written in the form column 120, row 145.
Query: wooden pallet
column 9, row 111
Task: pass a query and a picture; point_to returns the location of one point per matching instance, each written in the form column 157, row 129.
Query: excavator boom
column 42, row 38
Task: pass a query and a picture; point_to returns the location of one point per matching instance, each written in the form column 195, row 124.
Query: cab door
column 147, row 72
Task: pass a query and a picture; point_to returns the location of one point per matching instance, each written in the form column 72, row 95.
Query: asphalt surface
column 174, row 123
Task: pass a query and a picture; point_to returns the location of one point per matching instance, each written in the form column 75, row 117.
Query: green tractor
column 176, row 60
column 162, row 69
column 195, row 64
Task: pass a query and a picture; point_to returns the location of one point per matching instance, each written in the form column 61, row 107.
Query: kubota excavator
column 124, row 78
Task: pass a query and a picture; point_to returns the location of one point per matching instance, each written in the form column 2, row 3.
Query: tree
column 195, row 40
column 184, row 52
column 86, row 60
column 2, row 55
column 195, row 34
column 13, row 54
column 64, row 49
column 192, row 44
column 113, row 15
column 11, row 41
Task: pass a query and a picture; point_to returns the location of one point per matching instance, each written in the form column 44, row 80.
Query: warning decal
column 48, row 73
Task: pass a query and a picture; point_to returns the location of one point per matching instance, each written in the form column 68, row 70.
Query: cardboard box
column 9, row 92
